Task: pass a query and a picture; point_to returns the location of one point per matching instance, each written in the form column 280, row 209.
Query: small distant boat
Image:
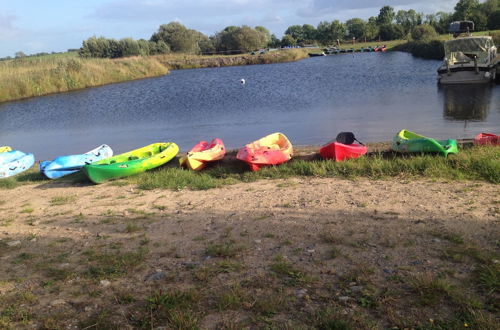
column 317, row 54
column 343, row 148
column 65, row 165
column 5, row 149
column 273, row 149
column 380, row 49
column 132, row 162
column 487, row 138
column 406, row 141
column 15, row 162
column 203, row 153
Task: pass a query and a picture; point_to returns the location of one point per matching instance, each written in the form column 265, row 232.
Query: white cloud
column 7, row 29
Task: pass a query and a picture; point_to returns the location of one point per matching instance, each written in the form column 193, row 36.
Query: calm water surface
column 372, row 94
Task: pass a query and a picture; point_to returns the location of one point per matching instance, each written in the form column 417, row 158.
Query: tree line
column 387, row 25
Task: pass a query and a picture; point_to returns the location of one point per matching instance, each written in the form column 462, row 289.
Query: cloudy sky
column 34, row 26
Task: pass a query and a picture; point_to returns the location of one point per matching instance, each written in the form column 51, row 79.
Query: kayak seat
column 133, row 157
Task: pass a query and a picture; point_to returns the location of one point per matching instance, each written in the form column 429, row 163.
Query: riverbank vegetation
column 477, row 163
column 40, row 76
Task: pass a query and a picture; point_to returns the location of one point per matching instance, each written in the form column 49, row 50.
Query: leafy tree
column 329, row 32
column 356, row 28
column 371, row 29
column 296, row 32
column 129, row 47
column 19, row 54
column 178, row 37
column 288, row 40
column 241, row 39
column 274, row 42
column 386, row 15
column 391, row 32
column 309, row 32
column 464, row 9
column 408, row 19
column 423, row 32
column 494, row 20
column 265, row 35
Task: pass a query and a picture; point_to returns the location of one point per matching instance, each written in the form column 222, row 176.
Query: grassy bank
column 478, row 163
column 178, row 61
column 23, row 78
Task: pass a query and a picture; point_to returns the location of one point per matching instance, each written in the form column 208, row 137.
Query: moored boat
column 65, row 165
column 203, row 153
column 5, row 149
column 406, row 141
column 487, row 139
column 15, row 162
column 468, row 59
column 132, row 162
column 273, row 149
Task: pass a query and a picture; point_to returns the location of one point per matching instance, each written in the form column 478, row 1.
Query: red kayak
column 273, row 149
column 487, row 138
column 340, row 151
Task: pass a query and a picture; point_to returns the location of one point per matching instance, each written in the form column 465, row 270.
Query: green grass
column 479, row 163
column 28, row 77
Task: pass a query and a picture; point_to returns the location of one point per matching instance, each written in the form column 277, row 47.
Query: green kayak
column 132, row 162
column 406, row 141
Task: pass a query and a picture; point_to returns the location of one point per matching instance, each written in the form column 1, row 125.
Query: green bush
column 423, row 32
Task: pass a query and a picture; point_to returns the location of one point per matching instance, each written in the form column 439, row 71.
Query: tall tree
column 464, row 9
column 355, row 28
column 386, row 15
column 178, row 37
column 329, row 32
column 409, row 19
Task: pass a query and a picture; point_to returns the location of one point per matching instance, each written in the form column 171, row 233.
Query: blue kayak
column 65, row 165
column 15, row 162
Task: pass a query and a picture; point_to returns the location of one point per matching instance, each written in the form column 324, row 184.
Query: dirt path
column 69, row 254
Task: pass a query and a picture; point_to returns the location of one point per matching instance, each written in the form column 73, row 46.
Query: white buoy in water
column 242, row 81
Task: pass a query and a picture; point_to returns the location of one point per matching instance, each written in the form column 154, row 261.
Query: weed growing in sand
column 173, row 309
column 62, row 200
column 289, row 274
column 488, row 277
column 225, row 249
column 28, row 210
column 132, row 228
column 104, row 264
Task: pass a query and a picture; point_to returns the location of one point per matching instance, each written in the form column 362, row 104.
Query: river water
column 372, row 94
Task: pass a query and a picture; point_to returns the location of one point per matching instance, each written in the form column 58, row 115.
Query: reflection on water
column 470, row 102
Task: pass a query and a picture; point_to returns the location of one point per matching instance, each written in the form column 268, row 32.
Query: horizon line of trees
column 387, row 25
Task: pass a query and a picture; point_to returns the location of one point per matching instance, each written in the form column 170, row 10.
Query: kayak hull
column 273, row 149
column 406, row 141
column 132, row 162
column 15, row 162
column 203, row 153
column 339, row 151
column 487, row 139
column 66, row 165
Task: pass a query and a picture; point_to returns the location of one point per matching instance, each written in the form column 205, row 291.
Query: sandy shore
column 332, row 234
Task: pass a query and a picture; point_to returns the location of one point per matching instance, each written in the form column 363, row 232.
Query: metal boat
column 468, row 59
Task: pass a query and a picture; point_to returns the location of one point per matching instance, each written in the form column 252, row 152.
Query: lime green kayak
column 132, row 162
column 406, row 141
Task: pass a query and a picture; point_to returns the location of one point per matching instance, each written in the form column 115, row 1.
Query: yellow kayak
column 5, row 149
column 203, row 153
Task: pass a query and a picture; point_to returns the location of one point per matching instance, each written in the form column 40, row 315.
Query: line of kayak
column 100, row 165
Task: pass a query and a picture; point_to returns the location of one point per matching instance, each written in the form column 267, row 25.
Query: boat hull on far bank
column 487, row 139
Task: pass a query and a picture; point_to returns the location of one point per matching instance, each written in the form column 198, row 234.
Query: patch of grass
column 431, row 290
column 488, row 277
column 288, row 273
column 231, row 298
column 174, row 309
column 28, row 210
column 449, row 236
column 225, row 249
column 103, row 264
column 132, row 228
column 62, row 200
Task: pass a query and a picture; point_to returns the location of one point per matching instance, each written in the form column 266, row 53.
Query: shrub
column 423, row 32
